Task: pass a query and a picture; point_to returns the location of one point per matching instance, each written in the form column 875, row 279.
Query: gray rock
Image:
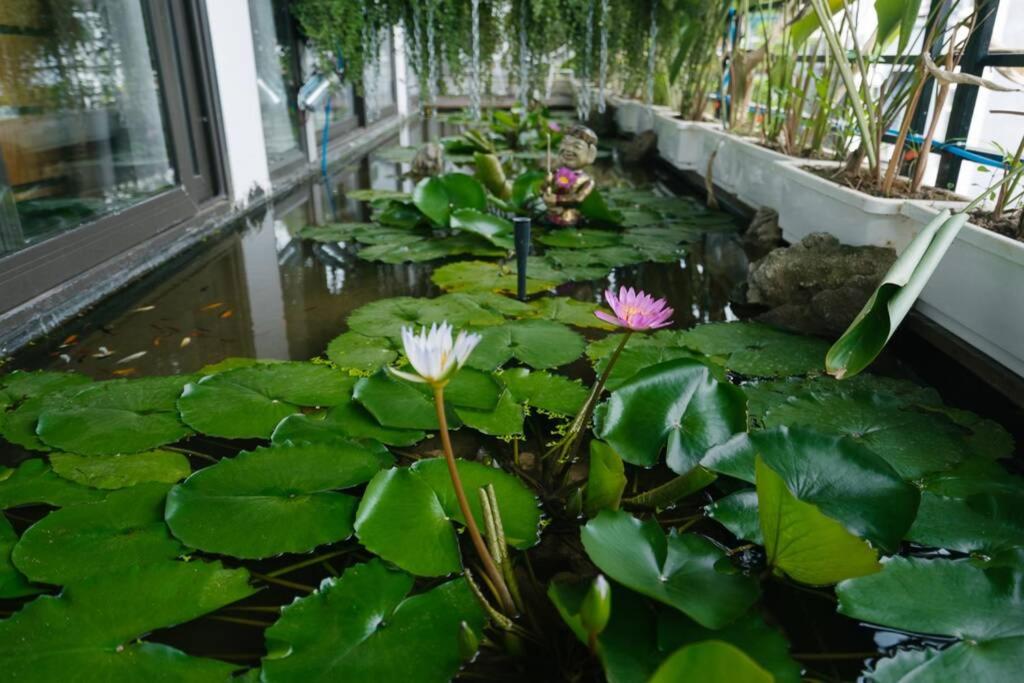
column 764, row 233
column 429, row 161
column 640, row 147
column 818, row 285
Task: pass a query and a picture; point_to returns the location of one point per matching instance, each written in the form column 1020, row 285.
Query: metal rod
column 522, row 244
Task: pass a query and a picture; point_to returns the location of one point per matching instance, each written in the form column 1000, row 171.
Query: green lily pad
column 365, row 626
column 272, row 500
column 250, row 402
column 597, row 212
column 550, row 394
column 359, row 353
column 538, row 343
column 568, row 311
column 13, row 583
column 575, row 238
column 121, row 471
column 119, row 416
column 675, row 406
column 72, row 544
column 603, row 258
column 34, row 482
column 494, row 229
column 387, row 317
column 430, row 197
column 371, row 194
column 716, row 662
column 757, row 350
column 606, row 479
column 678, row 570
column 738, row 513
column 93, row 627
column 504, row 419
column 642, row 351
column 397, row 404
column 418, row 249
column 981, row 606
column 485, row 276
column 342, row 232
column 21, row 385
column 405, row 515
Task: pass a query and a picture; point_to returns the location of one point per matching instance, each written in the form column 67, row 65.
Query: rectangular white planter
column 635, row 117
column 975, row 293
column 682, row 143
column 810, row 203
column 750, row 169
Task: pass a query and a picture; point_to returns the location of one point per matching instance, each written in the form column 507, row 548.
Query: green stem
column 313, row 560
column 460, row 495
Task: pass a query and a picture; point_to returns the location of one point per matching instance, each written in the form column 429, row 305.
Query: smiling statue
column 567, row 187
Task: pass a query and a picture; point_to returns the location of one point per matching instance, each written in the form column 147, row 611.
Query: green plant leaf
column 250, row 402
column 678, row 570
column 359, row 353
column 568, row 311
column 405, row 515
column 93, row 627
column 882, row 314
column 551, row 394
column 34, row 482
column 13, row 583
column 21, row 385
column 505, row 418
column 597, row 212
column 756, row 350
column 431, row 198
column 121, row 471
column 364, row 626
column 387, row 317
column 484, row 276
column 896, row 16
column 716, row 662
column 124, row 530
column 642, row 351
column 575, row 238
column 738, row 513
column 272, row 500
column 398, row 404
column 464, row 191
column 980, row 605
column 526, row 187
column 538, row 343
column 606, row 479
column 495, row 230
column 675, row 406
column 119, row 416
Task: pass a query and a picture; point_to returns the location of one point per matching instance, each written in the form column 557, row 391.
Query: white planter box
column 975, row 293
column 635, row 117
column 750, row 170
column 810, row 203
column 682, row 143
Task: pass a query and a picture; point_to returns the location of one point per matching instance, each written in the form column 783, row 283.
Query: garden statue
column 566, row 188
column 429, row 161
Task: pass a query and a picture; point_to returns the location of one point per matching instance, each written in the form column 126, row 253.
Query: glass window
column 275, row 79
column 82, row 130
column 343, row 102
column 379, row 79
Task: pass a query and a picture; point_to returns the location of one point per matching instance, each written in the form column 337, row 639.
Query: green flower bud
column 597, row 606
column 469, row 642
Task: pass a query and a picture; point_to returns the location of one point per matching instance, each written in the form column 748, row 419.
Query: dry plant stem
column 926, row 146
column 460, row 494
column 901, row 140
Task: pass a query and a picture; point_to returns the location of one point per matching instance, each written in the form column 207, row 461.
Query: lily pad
column 13, row 583
column 678, row 570
column 980, row 606
column 359, row 353
column 21, row 385
column 757, row 350
column 250, row 402
column 124, row 530
column 504, row 419
column 34, row 482
column 419, row 248
column 574, row 238
column 642, row 351
column 485, row 276
column 538, row 343
column 397, row 404
column 119, row 416
column 94, row 626
column 121, row 471
column 738, row 513
column 405, row 515
column 675, row 406
column 568, row 311
column 715, row 661
column 272, row 500
column 494, row 229
column 365, row 626
column 606, row 479
column 548, row 393
column 387, row 317
column 341, row 232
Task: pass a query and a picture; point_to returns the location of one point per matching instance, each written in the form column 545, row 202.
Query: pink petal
column 608, row 318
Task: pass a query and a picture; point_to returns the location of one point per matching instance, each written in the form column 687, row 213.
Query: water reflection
column 260, row 292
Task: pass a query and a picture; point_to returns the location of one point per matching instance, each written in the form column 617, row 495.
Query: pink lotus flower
column 635, row 310
column 554, row 127
column 565, row 178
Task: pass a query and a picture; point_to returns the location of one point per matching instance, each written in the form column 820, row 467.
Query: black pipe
column 522, row 242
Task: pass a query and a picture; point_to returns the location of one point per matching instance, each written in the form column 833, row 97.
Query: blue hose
column 326, row 139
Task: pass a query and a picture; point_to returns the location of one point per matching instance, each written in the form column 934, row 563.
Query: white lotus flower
column 433, row 355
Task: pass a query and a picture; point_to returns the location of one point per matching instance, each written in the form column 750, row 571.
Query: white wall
column 235, row 66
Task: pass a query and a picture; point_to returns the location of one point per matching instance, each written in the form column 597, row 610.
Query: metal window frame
column 179, row 38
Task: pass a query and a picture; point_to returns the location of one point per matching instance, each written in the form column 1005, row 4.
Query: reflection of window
column 343, row 102
column 275, row 80
column 82, row 132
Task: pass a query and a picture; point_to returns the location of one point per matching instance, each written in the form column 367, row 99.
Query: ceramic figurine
column 568, row 185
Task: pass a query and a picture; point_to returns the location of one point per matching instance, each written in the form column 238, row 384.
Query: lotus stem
column 493, row 573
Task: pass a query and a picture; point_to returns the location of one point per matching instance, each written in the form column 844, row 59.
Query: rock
column 429, row 161
column 640, row 147
column 764, row 233
column 818, row 285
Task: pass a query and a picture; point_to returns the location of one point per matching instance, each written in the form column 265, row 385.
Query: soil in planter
column 1010, row 224
column 863, row 181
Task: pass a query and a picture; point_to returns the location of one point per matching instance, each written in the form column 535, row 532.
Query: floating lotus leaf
column 272, row 500
column 975, row 508
column 387, row 317
column 359, row 353
column 119, row 416
column 343, row 232
column 469, row 388
column 121, row 471
column 915, row 439
column 233, row 363
column 494, row 229
column 504, row 419
column 348, row 421
column 431, row 198
column 476, row 276
column 491, row 303
column 398, row 214
column 396, row 403
column 537, row 343
column 717, row 662
column 642, row 351
column 20, row 385
column 605, row 258
column 597, row 212
column 405, row 515
column 757, row 350
column 421, row 248
column 551, row 394
column 13, row 583
column 391, row 237
column 679, row 570
column 568, row 311
column 93, row 627
column 250, row 402
column 371, row 194
column 124, row 530
column 364, row 626
column 606, row 479
column 34, row 482
column 979, row 605
column 438, row 196
column 575, row 238
column 675, row 406
column 738, row 513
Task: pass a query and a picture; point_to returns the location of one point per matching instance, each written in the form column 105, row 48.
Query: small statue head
column 578, row 148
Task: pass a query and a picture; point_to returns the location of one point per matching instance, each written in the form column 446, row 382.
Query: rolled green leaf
column 882, row 314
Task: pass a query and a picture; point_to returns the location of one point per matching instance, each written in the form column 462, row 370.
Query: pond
column 174, row 508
